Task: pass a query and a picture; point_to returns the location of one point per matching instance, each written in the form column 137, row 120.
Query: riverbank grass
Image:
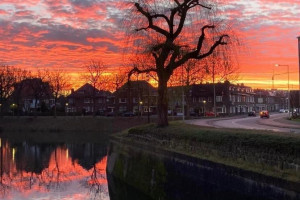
column 265, row 152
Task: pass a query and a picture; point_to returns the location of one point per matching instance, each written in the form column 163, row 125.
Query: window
column 260, row 100
column 219, row 110
column 100, row 100
column 122, row 100
column 122, row 108
column 87, row 100
column 219, row 98
column 243, row 99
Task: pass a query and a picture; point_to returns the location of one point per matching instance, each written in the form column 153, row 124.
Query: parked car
column 128, row 114
column 264, row 113
column 252, row 113
column 110, row 114
column 210, row 114
column 282, row 111
column 195, row 114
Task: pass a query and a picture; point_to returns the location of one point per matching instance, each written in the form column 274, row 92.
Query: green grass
column 296, row 120
column 264, row 152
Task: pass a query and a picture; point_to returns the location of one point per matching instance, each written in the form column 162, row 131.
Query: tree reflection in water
column 75, row 171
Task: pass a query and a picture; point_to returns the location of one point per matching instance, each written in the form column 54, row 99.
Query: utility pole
column 148, row 114
column 182, row 94
column 299, row 72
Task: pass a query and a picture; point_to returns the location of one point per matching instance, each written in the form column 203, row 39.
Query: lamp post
column 13, row 107
column 141, row 106
column 67, row 108
column 299, row 71
column 204, row 102
column 288, row 72
column 273, row 77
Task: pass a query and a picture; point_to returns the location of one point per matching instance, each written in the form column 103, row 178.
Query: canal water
column 44, row 171
column 52, row 171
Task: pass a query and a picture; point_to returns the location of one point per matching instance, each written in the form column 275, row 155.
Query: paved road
column 277, row 122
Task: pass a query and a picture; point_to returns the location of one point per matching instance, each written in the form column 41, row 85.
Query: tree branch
column 213, row 47
column 150, row 21
column 137, row 70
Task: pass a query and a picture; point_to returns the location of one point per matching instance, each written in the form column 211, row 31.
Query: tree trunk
column 55, row 114
column 162, row 103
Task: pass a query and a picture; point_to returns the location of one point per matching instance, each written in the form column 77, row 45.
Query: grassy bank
column 61, row 129
column 272, row 154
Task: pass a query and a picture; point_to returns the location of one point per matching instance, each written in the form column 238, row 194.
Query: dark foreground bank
column 212, row 163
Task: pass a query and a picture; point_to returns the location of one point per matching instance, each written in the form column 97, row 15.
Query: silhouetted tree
column 59, row 82
column 162, row 24
column 7, row 81
column 94, row 74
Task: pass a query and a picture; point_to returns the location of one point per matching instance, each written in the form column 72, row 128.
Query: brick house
column 134, row 96
column 87, row 100
column 271, row 100
column 32, row 95
column 230, row 98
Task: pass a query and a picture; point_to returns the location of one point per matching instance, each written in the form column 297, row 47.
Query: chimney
column 72, row 90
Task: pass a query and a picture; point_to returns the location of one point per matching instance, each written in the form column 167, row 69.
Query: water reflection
column 52, row 171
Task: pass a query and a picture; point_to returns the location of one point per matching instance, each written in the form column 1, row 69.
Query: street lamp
column 141, row 104
column 299, row 72
column 204, row 102
column 67, row 104
column 288, row 72
column 273, row 77
column 13, row 107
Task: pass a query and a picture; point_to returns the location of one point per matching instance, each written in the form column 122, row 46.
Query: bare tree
column 169, row 44
column 118, row 78
column 94, row 74
column 59, row 82
column 19, row 85
column 7, row 81
column 38, row 87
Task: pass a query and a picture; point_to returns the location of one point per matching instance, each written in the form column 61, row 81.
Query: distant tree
column 94, row 74
column 59, row 82
column 192, row 72
column 168, row 30
column 20, row 74
column 7, row 81
column 119, row 78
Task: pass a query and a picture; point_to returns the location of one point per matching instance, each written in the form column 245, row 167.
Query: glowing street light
column 141, row 108
column 288, row 72
column 67, row 104
column 204, row 102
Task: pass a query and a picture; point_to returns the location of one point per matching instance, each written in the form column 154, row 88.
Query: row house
column 229, row 98
column 141, row 97
column 134, row 96
column 88, row 99
column 271, row 100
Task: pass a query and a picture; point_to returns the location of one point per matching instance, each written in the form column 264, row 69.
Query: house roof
column 87, row 90
column 32, row 88
column 143, row 85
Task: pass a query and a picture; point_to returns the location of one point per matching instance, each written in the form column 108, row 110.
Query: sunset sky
column 68, row 33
